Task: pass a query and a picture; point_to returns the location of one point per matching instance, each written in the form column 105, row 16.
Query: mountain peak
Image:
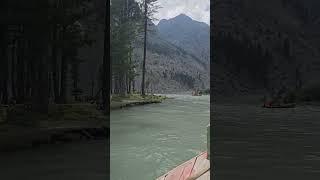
column 182, row 16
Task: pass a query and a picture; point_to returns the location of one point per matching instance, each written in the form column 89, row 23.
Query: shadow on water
column 81, row 161
column 251, row 142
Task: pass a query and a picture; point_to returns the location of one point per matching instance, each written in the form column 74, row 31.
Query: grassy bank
column 118, row 102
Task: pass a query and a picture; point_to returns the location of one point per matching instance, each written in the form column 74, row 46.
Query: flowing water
column 147, row 141
column 77, row 161
column 251, row 142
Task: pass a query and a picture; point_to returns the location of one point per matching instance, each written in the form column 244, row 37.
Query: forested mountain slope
column 170, row 67
column 265, row 44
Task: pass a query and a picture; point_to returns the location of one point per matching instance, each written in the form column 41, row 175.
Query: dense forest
column 39, row 47
column 266, row 46
column 40, row 44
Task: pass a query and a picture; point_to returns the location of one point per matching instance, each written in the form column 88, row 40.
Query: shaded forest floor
column 20, row 128
column 118, row 102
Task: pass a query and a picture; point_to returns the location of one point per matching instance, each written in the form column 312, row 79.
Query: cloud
column 198, row 10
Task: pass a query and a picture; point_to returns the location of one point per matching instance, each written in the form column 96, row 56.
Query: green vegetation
column 42, row 45
column 40, row 54
column 134, row 99
column 128, row 20
column 64, row 113
column 206, row 91
column 75, row 112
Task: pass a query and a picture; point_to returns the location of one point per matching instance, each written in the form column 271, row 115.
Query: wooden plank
column 197, row 166
column 202, row 165
column 176, row 173
column 206, row 176
column 187, row 171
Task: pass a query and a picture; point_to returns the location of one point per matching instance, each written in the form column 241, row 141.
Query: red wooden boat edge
column 184, row 170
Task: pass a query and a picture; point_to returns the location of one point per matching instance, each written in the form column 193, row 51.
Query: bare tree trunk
column 64, row 70
column 133, row 85
column 13, row 70
column 63, row 82
column 106, row 64
column 55, row 65
column 4, row 66
column 92, row 87
column 131, row 76
column 20, row 71
column 122, row 84
column 40, row 69
column 144, row 48
column 28, row 73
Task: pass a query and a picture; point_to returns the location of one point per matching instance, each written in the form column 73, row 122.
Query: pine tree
column 150, row 7
column 125, row 17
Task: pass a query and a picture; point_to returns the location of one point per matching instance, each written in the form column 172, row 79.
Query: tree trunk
column 64, row 70
column 133, row 85
column 63, row 75
column 40, row 67
column 130, row 76
column 20, row 72
column 144, row 48
column 92, row 87
column 122, row 83
column 129, row 86
column 29, row 73
column 43, row 89
column 55, row 64
column 106, row 64
column 13, row 70
column 4, row 67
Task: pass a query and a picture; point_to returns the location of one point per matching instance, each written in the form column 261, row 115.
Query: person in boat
column 276, row 100
column 195, row 92
column 281, row 95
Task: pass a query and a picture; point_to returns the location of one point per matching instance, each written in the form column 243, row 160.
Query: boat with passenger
column 196, row 92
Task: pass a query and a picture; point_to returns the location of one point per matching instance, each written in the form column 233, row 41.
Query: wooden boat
column 197, row 168
column 289, row 105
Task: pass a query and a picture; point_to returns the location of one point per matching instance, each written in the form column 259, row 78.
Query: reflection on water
column 251, row 142
column 147, row 141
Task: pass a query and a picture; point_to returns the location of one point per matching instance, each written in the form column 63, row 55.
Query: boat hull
column 197, row 168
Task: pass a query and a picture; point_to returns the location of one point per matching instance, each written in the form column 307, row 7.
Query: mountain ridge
column 172, row 67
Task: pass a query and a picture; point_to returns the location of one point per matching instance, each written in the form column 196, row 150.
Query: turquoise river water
column 147, row 141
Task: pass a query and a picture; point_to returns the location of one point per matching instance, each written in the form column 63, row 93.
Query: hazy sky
column 198, row 10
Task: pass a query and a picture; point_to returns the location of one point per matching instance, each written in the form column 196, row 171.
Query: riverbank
column 64, row 123
column 118, row 102
column 257, row 99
